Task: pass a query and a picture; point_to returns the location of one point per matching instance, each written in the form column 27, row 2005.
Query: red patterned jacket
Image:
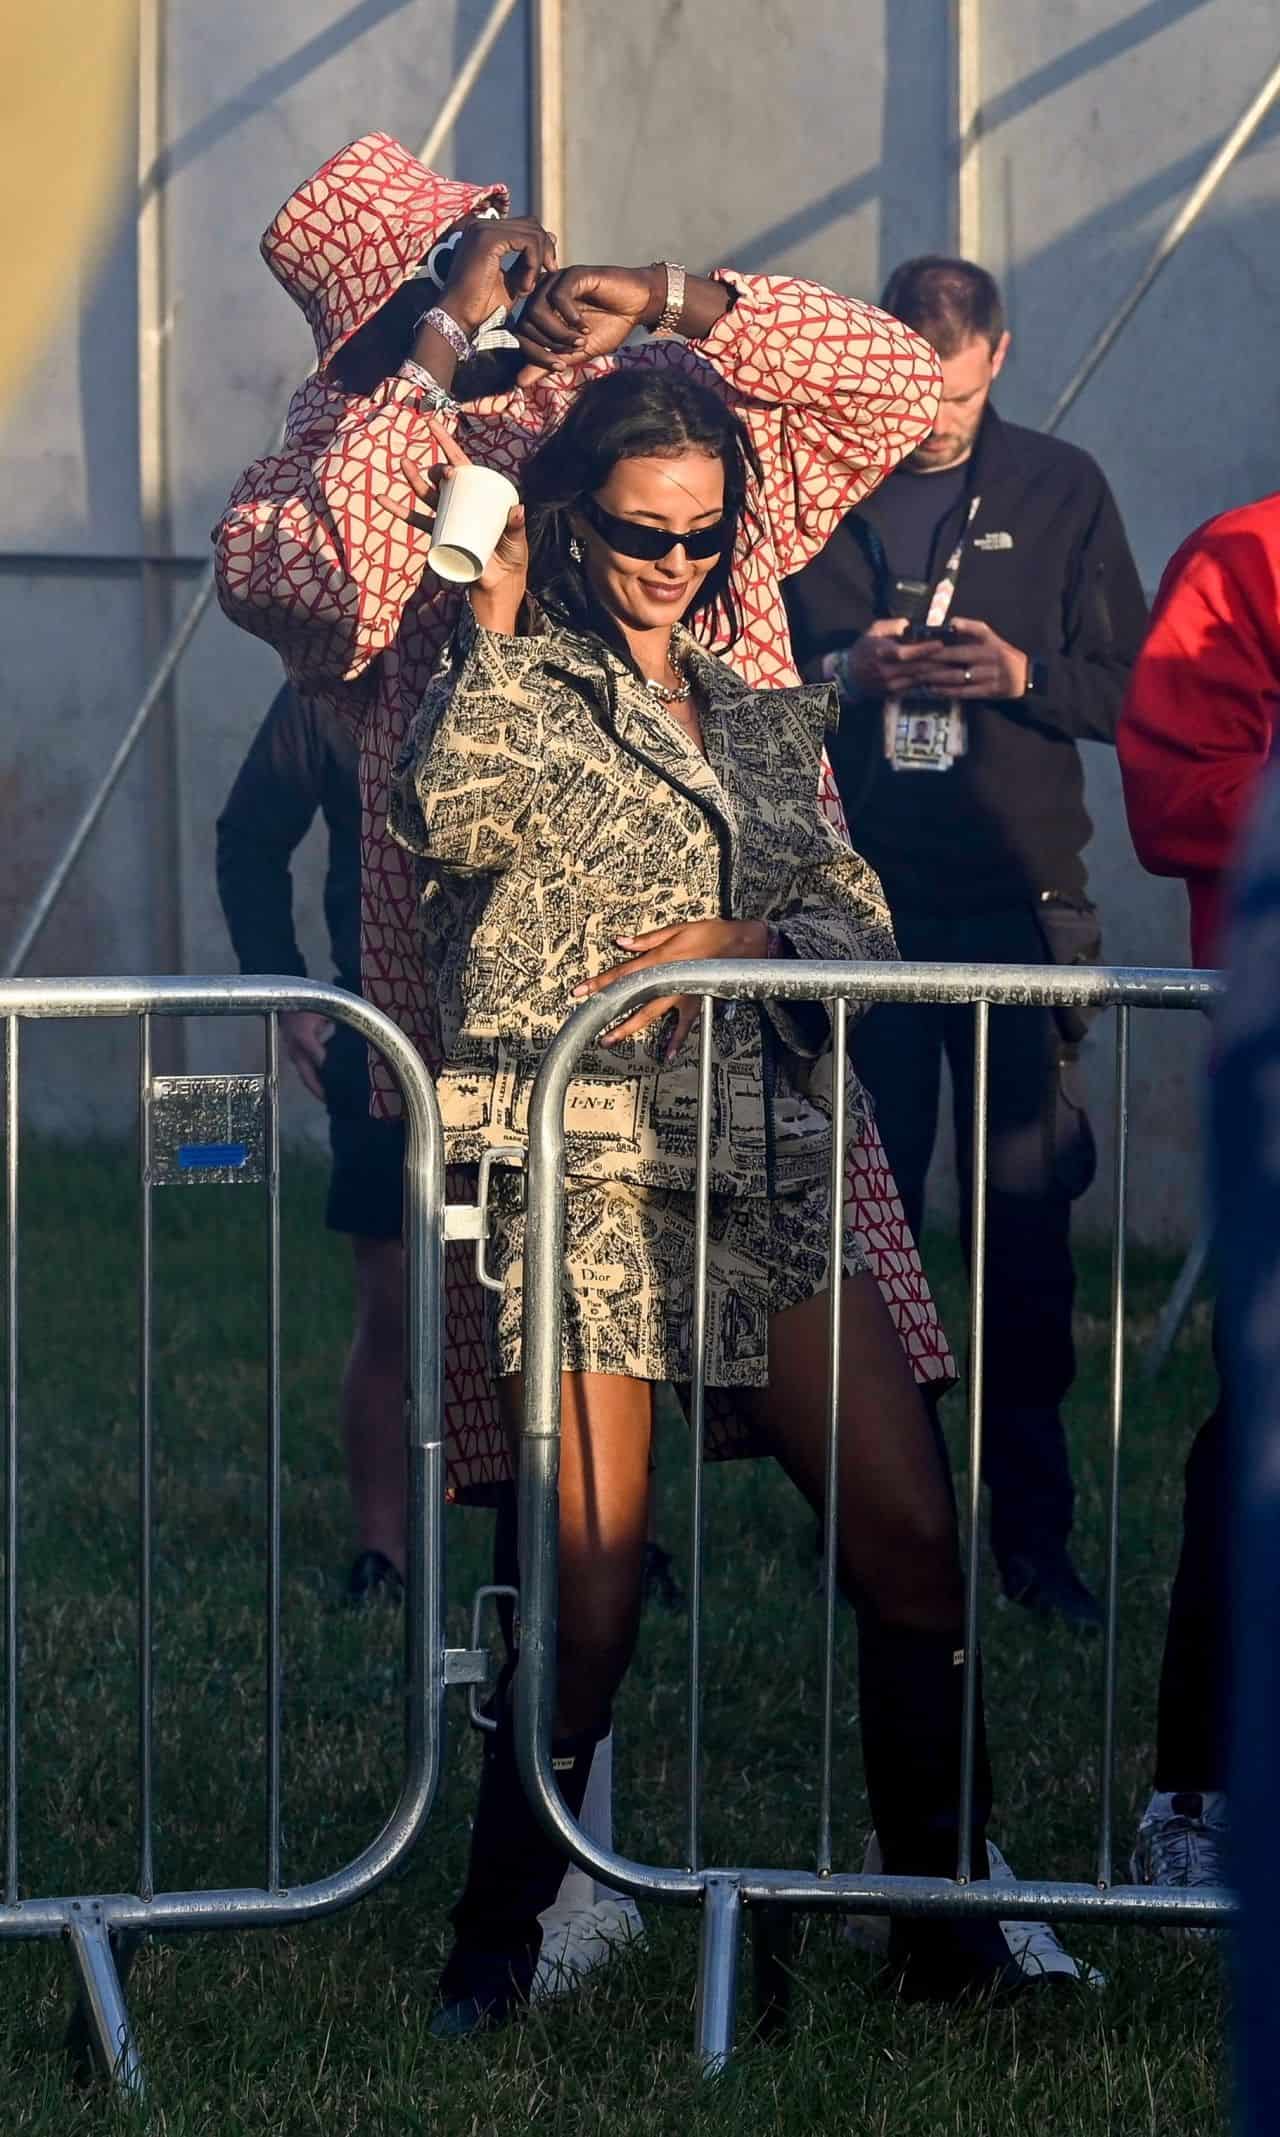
column 316, row 555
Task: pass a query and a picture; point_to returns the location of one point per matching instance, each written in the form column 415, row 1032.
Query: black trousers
column 1192, row 1725
column 1039, row 1148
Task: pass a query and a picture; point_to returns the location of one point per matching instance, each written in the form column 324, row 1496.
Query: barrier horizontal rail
column 102, row 1929
column 722, row 1892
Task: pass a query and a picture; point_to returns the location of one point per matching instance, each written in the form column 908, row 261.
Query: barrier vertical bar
column 698, row 1425
column 273, row 1450
column 11, row 1657
column 839, row 1011
column 146, row 1470
column 106, row 2014
column 977, row 1331
column 1119, row 1228
column 718, row 1973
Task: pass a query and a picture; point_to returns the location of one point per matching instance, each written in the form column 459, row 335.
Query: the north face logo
column 993, row 541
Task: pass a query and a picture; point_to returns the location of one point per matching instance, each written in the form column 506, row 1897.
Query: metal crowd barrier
column 225, row 1129
column 723, row 1893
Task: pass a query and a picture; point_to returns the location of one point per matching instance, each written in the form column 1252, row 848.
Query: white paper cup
column 473, row 510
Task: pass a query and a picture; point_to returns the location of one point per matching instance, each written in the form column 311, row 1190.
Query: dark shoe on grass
column 1049, row 1585
column 373, row 1579
column 952, row 1962
column 480, row 1991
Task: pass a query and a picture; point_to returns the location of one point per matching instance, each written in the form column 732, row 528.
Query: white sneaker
column 1181, row 1845
column 1033, row 1946
column 577, row 1941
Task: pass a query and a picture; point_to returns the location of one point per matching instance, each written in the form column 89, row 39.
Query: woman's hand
column 669, row 946
column 498, row 592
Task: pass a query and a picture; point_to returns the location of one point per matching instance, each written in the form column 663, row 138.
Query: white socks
column 579, row 1890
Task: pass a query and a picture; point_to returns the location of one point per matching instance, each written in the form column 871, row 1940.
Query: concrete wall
column 258, row 96
column 760, row 132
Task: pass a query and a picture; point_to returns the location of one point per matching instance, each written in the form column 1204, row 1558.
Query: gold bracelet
column 672, row 311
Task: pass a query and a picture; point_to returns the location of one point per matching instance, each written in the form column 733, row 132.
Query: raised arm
column 317, row 551
column 473, row 763
column 833, row 392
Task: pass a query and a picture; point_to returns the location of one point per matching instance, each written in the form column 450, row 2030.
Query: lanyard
column 944, row 591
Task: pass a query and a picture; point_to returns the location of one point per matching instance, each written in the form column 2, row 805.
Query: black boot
column 514, row 1873
column 912, row 1695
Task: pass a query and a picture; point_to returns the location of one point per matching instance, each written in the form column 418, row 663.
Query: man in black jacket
column 980, row 613
column 301, row 760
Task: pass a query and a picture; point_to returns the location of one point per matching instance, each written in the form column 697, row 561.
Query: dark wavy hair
column 630, row 414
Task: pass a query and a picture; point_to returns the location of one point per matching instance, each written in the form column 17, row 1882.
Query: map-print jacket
column 553, row 806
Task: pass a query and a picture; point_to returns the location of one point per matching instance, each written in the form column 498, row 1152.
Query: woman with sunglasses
column 590, row 791
column 401, row 273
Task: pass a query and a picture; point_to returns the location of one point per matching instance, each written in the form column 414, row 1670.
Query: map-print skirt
column 628, row 1284
column 478, row 1461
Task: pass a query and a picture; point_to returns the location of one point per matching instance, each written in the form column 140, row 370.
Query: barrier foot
column 717, row 1974
column 99, row 2035
column 771, row 1941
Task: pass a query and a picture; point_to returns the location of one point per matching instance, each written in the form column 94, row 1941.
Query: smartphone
column 918, row 634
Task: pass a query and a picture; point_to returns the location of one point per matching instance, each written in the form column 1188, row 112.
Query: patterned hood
column 349, row 237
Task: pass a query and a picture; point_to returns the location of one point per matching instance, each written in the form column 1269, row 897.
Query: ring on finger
column 968, row 675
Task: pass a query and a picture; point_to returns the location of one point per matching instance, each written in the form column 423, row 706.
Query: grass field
column 325, row 2030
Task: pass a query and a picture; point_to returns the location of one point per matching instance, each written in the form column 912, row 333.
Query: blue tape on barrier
column 212, row 1157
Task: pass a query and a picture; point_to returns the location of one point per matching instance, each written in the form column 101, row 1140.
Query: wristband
column 437, row 397
column 447, row 328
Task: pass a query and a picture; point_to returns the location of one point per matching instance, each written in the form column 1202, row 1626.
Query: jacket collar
column 992, row 454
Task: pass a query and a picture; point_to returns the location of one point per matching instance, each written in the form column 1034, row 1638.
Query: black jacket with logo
column 1047, row 565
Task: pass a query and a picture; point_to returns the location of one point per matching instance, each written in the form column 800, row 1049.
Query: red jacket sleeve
column 315, row 551
column 833, row 393
column 1197, row 723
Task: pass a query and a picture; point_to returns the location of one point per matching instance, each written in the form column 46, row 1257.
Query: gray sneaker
column 1181, row 1844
